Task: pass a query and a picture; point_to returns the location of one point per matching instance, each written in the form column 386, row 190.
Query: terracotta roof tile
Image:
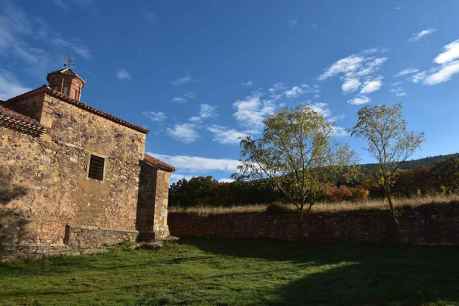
column 156, row 163
column 56, row 94
column 19, row 122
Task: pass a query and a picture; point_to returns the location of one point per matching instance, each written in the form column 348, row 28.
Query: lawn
column 209, row 272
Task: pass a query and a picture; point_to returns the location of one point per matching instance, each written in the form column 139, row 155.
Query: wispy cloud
column 397, row 89
column 123, row 74
column 182, row 80
column 251, row 111
column 206, row 111
column 198, row 164
column 9, row 86
column 450, row 53
column 77, row 47
column 186, row 97
column 443, row 74
column 406, row 71
column 422, row 34
column 155, row 116
column 247, row 83
column 446, row 66
column 185, row 132
column 225, row 135
column 358, row 72
column 359, row 100
column 371, row 86
column 350, row 85
column 31, row 40
column 67, row 4
column 188, row 132
column 324, row 109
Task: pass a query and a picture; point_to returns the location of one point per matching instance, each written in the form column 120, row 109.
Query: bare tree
column 390, row 143
column 296, row 155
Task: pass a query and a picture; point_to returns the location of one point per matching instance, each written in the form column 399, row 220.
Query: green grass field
column 209, row 272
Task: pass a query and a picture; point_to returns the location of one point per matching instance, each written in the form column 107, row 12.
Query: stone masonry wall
column 427, row 224
column 52, row 171
column 152, row 204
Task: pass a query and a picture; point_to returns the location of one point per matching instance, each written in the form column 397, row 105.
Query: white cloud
column 418, row 36
column 360, row 100
column 179, row 100
column 357, row 72
column 397, row 89
column 324, row 110
column 30, row 39
column 247, row 84
column 321, row 108
column 206, row 111
column 226, row 180
column 182, row 80
column 185, row 132
column 155, row 116
column 226, row 135
column 197, row 164
column 350, row 85
column 345, row 65
column 77, row 47
column 447, row 66
column 123, row 74
column 450, row 54
column 252, row 110
column 9, row 86
column 339, row 131
column 407, row 71
column 371, row 86
column 443, row 74
column 418, row 77
column 294, row 92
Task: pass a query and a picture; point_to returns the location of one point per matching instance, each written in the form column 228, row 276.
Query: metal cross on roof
column 68, row 62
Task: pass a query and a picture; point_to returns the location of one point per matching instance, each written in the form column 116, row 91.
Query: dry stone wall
column 427, row 224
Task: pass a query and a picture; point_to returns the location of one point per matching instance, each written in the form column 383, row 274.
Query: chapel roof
column 46, row 89
column 19, row 122
column 156, row 163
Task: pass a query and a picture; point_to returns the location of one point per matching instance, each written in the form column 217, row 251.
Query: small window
column 96, row 168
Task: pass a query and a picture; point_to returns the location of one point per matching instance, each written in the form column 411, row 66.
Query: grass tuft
column 319, row 207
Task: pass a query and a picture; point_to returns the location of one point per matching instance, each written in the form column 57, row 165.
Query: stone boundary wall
column 423, row 225
column 88, row 237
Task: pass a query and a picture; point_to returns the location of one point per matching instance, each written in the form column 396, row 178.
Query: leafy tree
column 296, row 156
column 389, row 141
column 446, row 175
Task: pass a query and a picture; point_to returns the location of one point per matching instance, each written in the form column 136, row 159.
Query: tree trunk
column 301, row 223
column 395, row 230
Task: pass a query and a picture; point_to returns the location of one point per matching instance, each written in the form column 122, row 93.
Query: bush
column 277, row 209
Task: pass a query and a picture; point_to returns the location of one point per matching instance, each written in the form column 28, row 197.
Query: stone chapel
column 73, row 176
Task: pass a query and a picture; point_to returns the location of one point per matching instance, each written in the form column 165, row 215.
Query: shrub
column 277, row 208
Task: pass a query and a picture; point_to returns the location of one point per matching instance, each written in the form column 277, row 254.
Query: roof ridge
column 82, row 105
column 154, row 162
column 19, row 122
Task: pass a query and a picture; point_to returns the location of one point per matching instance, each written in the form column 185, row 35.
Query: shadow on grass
column 353, row 274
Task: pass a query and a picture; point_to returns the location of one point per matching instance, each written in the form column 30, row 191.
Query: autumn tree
column 296, row 155
column 389, row 141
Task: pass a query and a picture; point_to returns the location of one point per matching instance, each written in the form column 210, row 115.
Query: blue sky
column 202, row 74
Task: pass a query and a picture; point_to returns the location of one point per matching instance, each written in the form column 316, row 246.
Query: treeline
column 439, row 177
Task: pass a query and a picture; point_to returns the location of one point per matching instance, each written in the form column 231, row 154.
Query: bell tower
column 67, row 82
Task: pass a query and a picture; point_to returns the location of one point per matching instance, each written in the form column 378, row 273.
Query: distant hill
column 427, row 161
